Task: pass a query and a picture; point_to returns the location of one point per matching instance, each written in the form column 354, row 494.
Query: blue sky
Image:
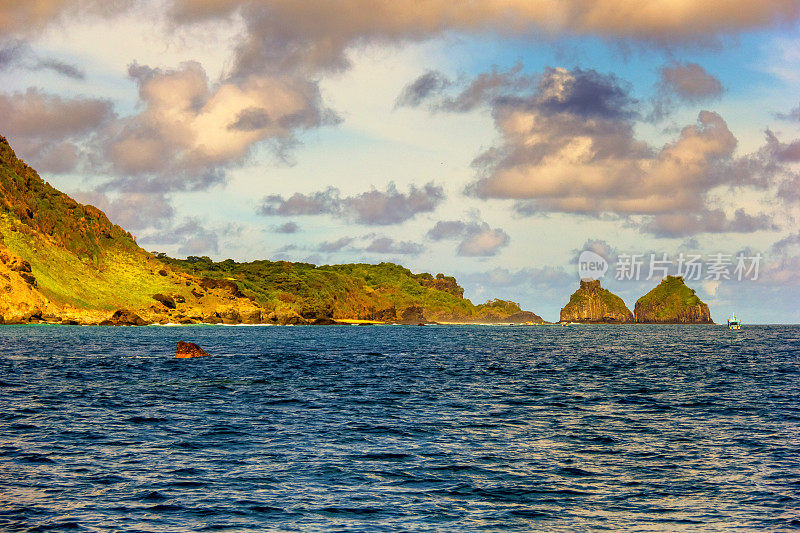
column 494, row 141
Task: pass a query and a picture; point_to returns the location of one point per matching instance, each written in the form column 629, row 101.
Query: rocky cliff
column 592, row 304
column 65, row 262
column 672, row 302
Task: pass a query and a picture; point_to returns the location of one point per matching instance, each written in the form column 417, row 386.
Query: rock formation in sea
column 672, row 302
column 592, row 304
column 187, row 350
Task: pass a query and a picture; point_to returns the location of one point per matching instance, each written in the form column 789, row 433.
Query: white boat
column 734, row 323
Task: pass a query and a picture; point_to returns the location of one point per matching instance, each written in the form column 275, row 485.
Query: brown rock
column 285, row 317
column 412, row 315
column 123, row 317
column 186, row 350
column 225, row 284
column 168, row 301
column 230, row 316
column 525, row 316
column 592, row 304
column 20, row 265
column 212, row 318
column 387, row 314
column 250, row 316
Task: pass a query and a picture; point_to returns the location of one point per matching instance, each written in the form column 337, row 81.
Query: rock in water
column 186, row 350
column 592, row 304
column 672, row 302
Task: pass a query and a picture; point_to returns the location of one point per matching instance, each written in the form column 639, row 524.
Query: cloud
column 132, row 211
column 582, row 92
column 17, row 53
column 447, row 229
column 29, row 16
column 707, row 221
column 483, row 243
column 385, row 245
column 251, row 119
column 568, row 145
column 318, row 32
column 60, row 67
column 319, row 203
column 429, row 84
column 785, row 244
column 478, row 239
column 190, row 237
column 12, row 53
column 485, row 88
column 789, row 153
column 793, row 115
column 392, row 207
column 190, row 130
column 503, row 277
column 335, row 246
column 373, row 208
column 683, row 82
column 310, row 35
column 789, row 190
column 34, row 114
column 49, row 131
column 289, row 227
column 600, row 247
column 784, row 154
column 690, row 81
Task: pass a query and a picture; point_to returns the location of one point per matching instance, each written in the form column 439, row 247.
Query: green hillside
column 77, row 256
column 358, row 291
column 672, row 301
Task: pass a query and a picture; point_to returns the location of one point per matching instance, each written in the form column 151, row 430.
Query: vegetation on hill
column 593, row 304
column 81, row 229
column 77, row 256
column 671, row 301
column 356, row 291
column 64, row 261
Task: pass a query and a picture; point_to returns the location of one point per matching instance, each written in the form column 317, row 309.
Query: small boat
column 733, row 322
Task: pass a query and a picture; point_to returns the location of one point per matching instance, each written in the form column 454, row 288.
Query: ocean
column 400, row 428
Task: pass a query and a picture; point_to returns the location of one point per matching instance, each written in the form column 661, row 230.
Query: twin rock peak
column 670, row 302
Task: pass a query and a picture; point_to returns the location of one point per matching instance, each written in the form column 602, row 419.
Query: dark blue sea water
column 400, row 428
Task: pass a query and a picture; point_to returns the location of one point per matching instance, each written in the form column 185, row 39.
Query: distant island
column 592, row 304
column 670, row 302
column 63, row 262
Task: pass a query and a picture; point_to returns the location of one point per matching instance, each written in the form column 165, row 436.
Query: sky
column 500, row 141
